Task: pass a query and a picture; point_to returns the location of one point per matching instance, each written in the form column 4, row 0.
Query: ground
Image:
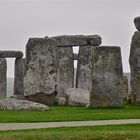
column 71, row 114
column 116, row 132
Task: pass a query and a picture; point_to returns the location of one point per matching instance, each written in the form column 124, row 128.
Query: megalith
column 107, row 76
column 83, row 76
column 65, row 70
column 19, row 76
column 3, row 79
column 125, row 87
column 77, row 40
column 134, row 60
column 40, row 80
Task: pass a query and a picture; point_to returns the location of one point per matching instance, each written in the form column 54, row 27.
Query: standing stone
column 19, row 76
column 3, row 80
column 65, row 70
column 134, row 60
column 40, row 81
column 125, row 87
column 107, row 74
column 84, row 66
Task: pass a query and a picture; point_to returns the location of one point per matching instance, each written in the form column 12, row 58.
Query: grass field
column 70, row 114
column 116, row 132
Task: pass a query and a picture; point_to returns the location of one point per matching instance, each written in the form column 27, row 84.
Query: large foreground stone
column 19, row 76
column 16, row 54
column 3, row 79
column 77, row 97
column 77, row 40
column 84, row 67
column 107, row 74
column 40, row 68
column 15, row 104
column 134, row 60
column 65, row 70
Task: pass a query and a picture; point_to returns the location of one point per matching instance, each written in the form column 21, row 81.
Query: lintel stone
column 16, row 54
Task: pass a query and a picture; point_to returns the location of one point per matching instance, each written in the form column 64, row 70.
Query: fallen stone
column 16, row 104
column 3, row 79
column 77, row 40
column 40, row 69
column 107, row 77
column 77, row 97
column 134, row 60
column 65, row 70
column 6, row 54
column 137, row 23
column 47, row 99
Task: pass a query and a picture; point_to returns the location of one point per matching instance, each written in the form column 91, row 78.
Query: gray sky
column 111, row 19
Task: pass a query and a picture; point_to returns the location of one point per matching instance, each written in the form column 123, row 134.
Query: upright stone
column 65, row 70
column 125, row 87
column 83, row 77
column 3, row 79
column 40, row 81
column 107, row 75
column 19, row 76
column 134, row 60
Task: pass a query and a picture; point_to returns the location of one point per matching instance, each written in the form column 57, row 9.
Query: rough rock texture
column 134, row 60
column 62, row 101
column 75, row 55
column 107, row 74
column 15, row 104
column 77, row 97
column 47, row 99
column 16, row 54
column 3, row 79
column 65, row 70
column 77, row 40
column 125, row 87
column 40, row 69
column 19, row 76
column 84, row 67
column 137, row 23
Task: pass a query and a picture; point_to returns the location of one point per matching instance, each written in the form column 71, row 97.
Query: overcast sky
column 111, row 19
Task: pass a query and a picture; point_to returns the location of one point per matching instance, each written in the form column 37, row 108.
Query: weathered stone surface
column 65, row 70
column 19, row 76
column 40, row 68
column 77, row 97
column 62, row 101
column 125, row 87
column 15, row 104
column 134, row 60
column 47, row 99
column 3, row 79
column 137, row 23
column 16, row 54
column 107, row 74
column 77, row 40
column 84, row 67
column 75, row 56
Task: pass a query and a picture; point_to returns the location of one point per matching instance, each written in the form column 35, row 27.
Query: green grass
column 70, row 114
column 116, row 132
